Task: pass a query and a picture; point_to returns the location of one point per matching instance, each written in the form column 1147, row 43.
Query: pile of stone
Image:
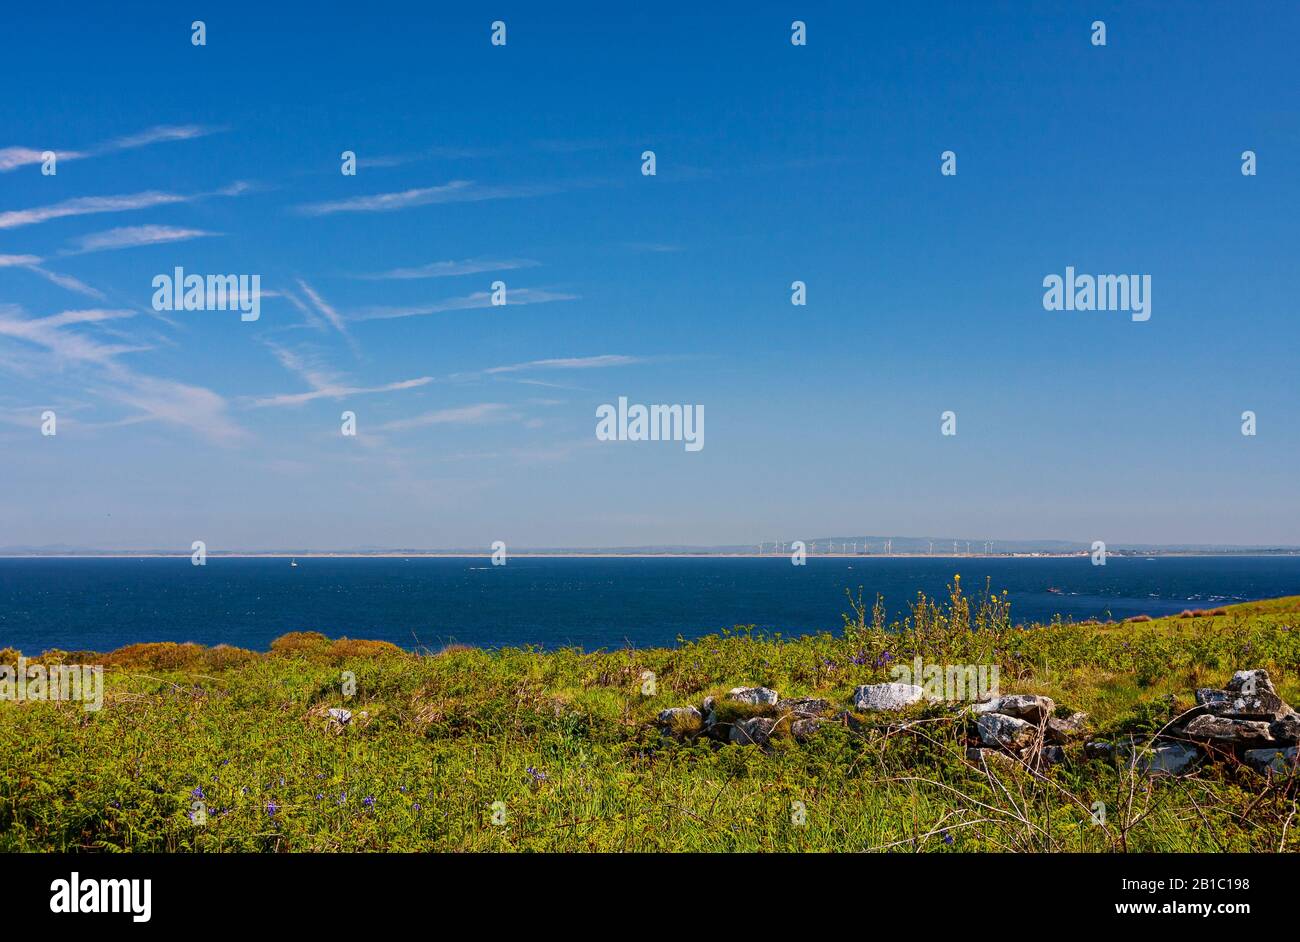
column 1246, row 720
column 765, row 712
column 1026, row 726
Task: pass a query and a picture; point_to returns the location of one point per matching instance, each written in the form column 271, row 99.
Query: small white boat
column 293, row 563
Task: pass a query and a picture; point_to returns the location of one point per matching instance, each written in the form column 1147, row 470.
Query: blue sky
column 775, row 163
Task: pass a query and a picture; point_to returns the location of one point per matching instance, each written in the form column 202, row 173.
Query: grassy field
column 219, row 749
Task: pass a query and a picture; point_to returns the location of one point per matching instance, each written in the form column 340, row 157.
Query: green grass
column 566, row 742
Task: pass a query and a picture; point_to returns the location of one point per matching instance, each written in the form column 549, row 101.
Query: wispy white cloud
column 163, row 400
column 157, row 135
column 11, row 158
column 448, row 269
column 464, row 415
column 85, row 205
column 65, row 347
column 154, row 398
column 658, row 248
column 327, row 311
column 68, row 283
column 479, row 299
column 313, row 319
column 338, row 392
column 457, row 191
column 569, row 363
column 324, row 382
column 32, row 263
column 397, row 160
column 89, row 205
column 127, row 237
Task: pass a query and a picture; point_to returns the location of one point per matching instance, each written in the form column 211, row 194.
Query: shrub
column 300, row 644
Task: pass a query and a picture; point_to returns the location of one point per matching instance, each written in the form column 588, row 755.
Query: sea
column 99, row 604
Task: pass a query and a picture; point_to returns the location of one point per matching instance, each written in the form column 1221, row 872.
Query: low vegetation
column 221, row 749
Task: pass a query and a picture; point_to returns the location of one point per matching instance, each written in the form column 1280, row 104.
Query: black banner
column 143, row 892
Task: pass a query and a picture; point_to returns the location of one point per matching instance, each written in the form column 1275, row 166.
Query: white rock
column 758, row 696
column 1167, row 758
column 996, row 729
column 1254, row 681
column 1059, row 731
column 754, row 731
column 676, row 717
column 1223, row 730
column 1023, row 706
column 886, row 696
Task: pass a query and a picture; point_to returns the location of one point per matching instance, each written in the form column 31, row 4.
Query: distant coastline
column 525, row 554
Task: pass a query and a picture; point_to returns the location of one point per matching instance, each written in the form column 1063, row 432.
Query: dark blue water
column 101, row 604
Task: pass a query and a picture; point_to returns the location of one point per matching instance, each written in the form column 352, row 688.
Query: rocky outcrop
column 681, row 721
column 805, row 728
column 804, row 707
column 1008, row 732
column 762, row 714
column 1266, row 761
column 1248, row 696
column 1025, row 727
column 1287, row 729
column 1167, row 758
column 1231, row 732
column 1060, row 731
column 1246, row 719
column 755, row 731
column 755, row 696
column 1023, row 706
